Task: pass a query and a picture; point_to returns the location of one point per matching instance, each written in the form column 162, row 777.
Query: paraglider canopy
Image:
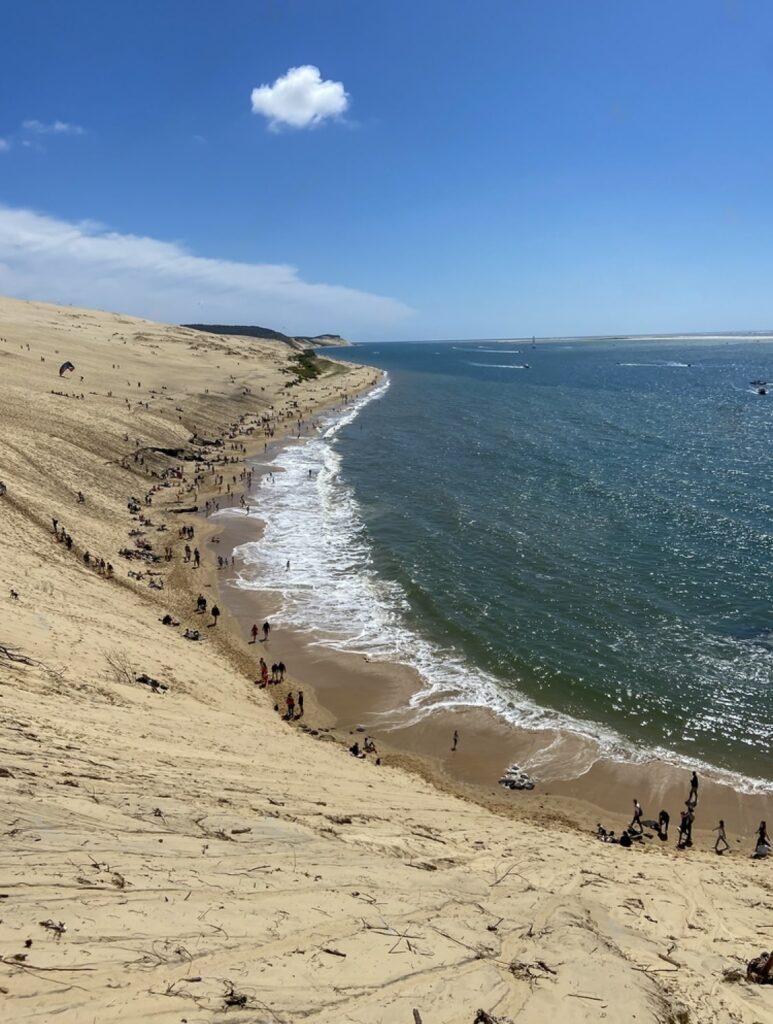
column 65, row 367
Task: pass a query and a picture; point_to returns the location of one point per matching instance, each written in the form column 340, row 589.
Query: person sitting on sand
column 721, row 838
column 369, row 746
column 636, row 824
column 355, row 751
column 201, row 603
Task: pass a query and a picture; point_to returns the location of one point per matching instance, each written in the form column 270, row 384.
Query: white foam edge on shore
column 332, row 593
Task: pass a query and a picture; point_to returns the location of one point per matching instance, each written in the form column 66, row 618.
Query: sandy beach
column 355, row 695
column 174, row 851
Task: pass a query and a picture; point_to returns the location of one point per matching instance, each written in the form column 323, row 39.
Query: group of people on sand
column 278, row 670
column 635, row 830
column 291, row 704
column 266, row 632
column 368, row 747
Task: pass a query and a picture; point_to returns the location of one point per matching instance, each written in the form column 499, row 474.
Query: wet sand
column 353, row 696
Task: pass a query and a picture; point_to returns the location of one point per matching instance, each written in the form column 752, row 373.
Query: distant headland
column 247, row 331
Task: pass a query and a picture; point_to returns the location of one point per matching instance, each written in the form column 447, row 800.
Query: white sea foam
column 332, row 592
column 664, row 363
column 502, row 366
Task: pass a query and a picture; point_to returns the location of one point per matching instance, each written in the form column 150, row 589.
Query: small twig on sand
column 32, row 967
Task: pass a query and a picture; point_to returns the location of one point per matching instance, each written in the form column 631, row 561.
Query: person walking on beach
column 300, row 703
column 196, row 558
column 266, row 630
column 693, row 797
column 636, row 824
column 254, row 634
column 187, row 553
column 263, row 672
column 721, row 838
column 215, row 614
column 683, row 831
column 281, row 669
column 456, row 740
column 290, row 701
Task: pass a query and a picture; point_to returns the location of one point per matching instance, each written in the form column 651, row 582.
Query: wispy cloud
column 85, row 263
column 300, row 99
column 30, row 134
column 52, row 128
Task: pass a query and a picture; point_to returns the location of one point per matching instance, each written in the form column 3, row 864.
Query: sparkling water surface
column 577, row 534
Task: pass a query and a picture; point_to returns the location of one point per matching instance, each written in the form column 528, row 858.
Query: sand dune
column 187, row 856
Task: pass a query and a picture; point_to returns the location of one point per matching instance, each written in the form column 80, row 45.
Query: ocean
column 575, row 534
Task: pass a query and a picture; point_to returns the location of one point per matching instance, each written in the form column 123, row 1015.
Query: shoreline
column 353, row 695
column 187, row 852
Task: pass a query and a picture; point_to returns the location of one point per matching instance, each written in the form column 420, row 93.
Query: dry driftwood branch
column 15, row 656
column 121, row 666
column 32, row 967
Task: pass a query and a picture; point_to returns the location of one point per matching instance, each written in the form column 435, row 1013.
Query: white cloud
column 84, row 263
column 5, row 145
column 300, row 99
column 53, row 128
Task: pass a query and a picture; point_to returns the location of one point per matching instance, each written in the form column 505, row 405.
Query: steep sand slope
column 209, row 862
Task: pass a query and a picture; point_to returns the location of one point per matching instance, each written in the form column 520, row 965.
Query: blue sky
column 476, row 170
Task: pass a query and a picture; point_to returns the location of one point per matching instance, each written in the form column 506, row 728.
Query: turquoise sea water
column 589, row 539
